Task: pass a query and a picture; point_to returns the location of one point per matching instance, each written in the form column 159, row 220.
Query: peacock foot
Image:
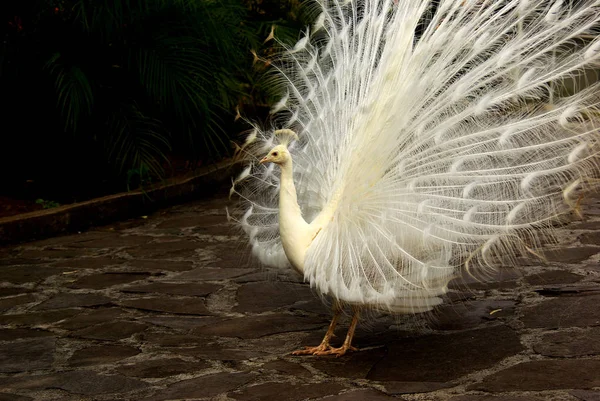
column 339, row 351
column 318, row 350
column 322, row 350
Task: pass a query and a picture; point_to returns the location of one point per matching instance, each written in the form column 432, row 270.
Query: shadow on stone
column 442, row 358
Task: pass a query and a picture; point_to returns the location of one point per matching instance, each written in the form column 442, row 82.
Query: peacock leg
column 324, row 346
column 347, row 345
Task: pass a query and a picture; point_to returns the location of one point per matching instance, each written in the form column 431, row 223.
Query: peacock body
column 426, row 136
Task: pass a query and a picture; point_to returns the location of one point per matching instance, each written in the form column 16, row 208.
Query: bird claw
column 318, row 350
column 341, row 351
column 322, row 350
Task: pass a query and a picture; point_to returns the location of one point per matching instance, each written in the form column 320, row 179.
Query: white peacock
column 425, row 136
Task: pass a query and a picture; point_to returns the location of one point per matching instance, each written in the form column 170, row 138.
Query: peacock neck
column 294, row 231
column 288, row 199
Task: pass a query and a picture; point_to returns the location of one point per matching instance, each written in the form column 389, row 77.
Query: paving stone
column 199, row 221
column 233, row 254
column 501, row 278
column 215, row 216
column 164, row 367
column 8, row 291
column 259, row 326
column 165, row 249
column 261, row 297
column 18, row 334
column 25, row 382
column 160, row 265
column 112, row 241
column 360, row 395
column 374, row 334
column 355, row 365
column 594, row 266
column 221, row 231
column 16, row 261
column 129, row 224
column 494, row 285
column 106, row 280
column 115, row 330
column 592, row 238
column 553, row 277
column 590, row 205
column 396, row 387
column 91, row 318
column 586, row 395
column 101, row 355
column 169, row 339
column 563, row 312
column 587, row 288
column 210, row 274
column 14, row 397
column 288, row 368
column 67, row 300
column 471, row 314
column 27, row 355
column 28, row 274
column 92, row 383
column 494, row 398
column 585, row 225
column 52, row 253
column 293, row 392
column 457, row 296
column 409, row 361
column 184, row 306
column 544, row 375
column 570, row 344
column 271, row 276
column 90, row 263
column 7, row 251
column 314, row 305
column 180, row 322
column 190, row 289
column 203, row 387
column 432, row 359
column 214, row 204
column 570, row 255
column 71, row 239
column 217, row 353
column 9, row 303
column 38, row 318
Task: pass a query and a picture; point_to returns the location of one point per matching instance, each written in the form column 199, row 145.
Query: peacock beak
column 264, row 160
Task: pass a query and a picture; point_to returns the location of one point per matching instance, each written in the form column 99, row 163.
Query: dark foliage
column 102, row 92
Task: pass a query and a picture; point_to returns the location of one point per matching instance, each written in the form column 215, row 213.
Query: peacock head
column 278, row 155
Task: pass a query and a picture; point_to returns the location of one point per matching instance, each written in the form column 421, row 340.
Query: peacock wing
column 430, row 134
column 444, row 140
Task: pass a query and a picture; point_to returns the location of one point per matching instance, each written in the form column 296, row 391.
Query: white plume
column 434, row 133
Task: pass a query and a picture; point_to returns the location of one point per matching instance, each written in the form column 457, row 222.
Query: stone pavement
column 172, row 307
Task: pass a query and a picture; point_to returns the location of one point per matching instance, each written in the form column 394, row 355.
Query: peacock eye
column 274, row 154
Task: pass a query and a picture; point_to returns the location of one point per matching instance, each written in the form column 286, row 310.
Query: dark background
column 102, row 96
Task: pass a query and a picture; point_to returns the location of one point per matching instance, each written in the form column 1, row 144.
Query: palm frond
column 136, row 141
column 75, row 97
column 124, row 73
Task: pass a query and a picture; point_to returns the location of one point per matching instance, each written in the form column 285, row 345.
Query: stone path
column 171, row 307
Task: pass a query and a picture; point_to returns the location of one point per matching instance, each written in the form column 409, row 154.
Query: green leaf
column 136, row 141
column 75, row 98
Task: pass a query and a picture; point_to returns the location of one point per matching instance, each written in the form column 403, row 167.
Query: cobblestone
column 173, row 307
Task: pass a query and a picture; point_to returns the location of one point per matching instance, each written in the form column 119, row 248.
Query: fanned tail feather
column 431, row 133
